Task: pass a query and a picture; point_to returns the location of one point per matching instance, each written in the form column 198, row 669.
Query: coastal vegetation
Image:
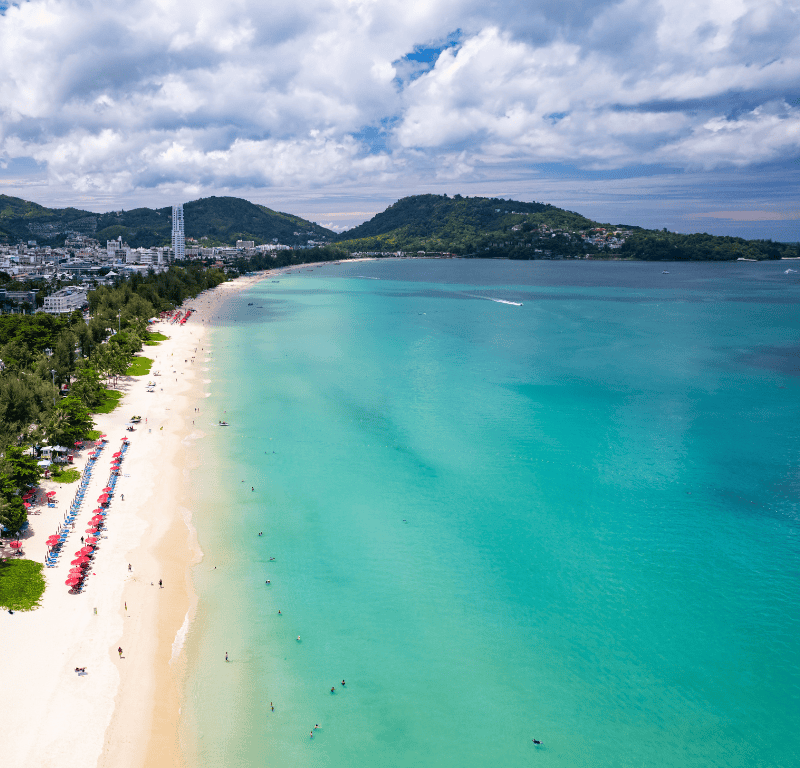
column 21, row 584
column 58, row 370
column 58, row 475
column 139, row 366
column 154, row 339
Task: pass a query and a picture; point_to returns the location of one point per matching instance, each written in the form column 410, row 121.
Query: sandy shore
column 124, row 711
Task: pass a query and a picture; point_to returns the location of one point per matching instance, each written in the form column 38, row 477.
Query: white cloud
column 118, row 96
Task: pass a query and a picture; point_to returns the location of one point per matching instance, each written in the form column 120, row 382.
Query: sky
column 682, row 114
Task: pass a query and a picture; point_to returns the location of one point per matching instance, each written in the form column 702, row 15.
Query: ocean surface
column 574, row 518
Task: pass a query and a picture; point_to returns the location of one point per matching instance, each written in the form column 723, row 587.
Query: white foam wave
column 180, row 639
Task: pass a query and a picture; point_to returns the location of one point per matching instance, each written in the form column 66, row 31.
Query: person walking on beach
column 160, row 584
column 119, row 651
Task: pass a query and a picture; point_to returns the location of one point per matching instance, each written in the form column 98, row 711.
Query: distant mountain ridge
column 219, row 219
column 465, row 226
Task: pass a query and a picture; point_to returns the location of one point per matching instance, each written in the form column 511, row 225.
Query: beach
column 124, row 710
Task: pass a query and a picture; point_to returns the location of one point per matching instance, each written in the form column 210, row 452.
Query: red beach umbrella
column 102, row 436
column 83, row 559
column 87, row 550
column 25, row 504
column 96, row 520
column 15, row 545
column 108, row 489
column 117, row 454
column 76, row 561
column 92, row 540
column 52, row 540
column 51, row 493
column 72, row 581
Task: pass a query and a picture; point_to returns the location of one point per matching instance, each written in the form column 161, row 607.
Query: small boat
column 664, row 272
column 249, row 303
column 789, row 271
column 224, row 424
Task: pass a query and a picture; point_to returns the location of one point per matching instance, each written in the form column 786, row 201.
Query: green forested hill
column 457, row 224
column 493, row 227
column 222, row 220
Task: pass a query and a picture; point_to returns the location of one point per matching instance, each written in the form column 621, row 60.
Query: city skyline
column 659, row 114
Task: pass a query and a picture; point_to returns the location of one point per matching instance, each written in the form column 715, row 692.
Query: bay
column 572, row 516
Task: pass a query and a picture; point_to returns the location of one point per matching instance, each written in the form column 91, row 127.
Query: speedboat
column 223, row 424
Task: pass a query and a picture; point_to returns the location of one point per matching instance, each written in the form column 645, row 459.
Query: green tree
column 12, row 511
column 70, row 422
column 87, row 387
column 20, row 469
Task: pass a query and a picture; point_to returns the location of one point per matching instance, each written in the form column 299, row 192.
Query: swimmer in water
column 333, row 689
column 267, row 581
column 342, row 682
column 536, row 741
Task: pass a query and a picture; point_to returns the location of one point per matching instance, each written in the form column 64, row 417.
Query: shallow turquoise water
column 575, row 519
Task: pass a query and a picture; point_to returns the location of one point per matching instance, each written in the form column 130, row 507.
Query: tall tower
column 178, row 238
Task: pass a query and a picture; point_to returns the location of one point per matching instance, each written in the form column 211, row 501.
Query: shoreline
column 144, row 728
column 124, row 710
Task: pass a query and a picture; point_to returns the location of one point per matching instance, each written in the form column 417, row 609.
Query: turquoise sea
column 574, row 520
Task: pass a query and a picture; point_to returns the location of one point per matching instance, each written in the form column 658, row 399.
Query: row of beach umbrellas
column 79, row 565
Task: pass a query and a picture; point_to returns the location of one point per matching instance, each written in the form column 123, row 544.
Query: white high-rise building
column 178, row 238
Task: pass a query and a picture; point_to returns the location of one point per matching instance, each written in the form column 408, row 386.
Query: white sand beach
column 124, row 710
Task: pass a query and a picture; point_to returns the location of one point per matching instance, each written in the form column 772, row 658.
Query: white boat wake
column 498, row 301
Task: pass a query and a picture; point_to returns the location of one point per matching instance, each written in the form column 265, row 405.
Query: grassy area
column 21, row 584
column 112, row 398
column 93, row 434
column 59, row 475
column 140, row 366
column 154, row 339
